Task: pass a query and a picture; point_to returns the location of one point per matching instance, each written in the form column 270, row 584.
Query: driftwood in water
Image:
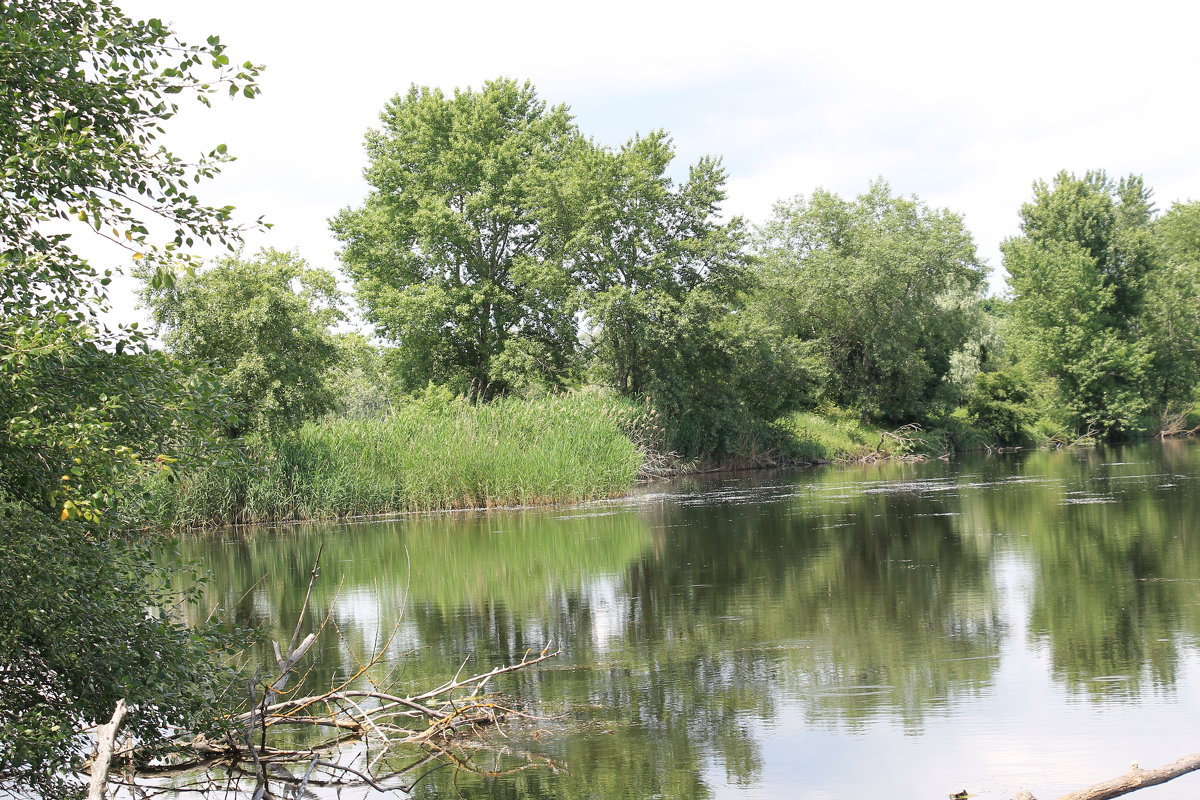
column 1136, row 778
column 434, row 723
column 389, row 717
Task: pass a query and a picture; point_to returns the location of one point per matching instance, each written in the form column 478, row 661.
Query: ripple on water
column 909, row 487
column 860, row 690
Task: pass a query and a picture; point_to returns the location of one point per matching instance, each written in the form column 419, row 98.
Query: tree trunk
column 104, row 749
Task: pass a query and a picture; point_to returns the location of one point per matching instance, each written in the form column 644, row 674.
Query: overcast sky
column 961, row 103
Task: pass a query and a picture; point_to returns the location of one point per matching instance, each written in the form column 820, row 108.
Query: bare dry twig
column 362, row 715
column 1174, row 423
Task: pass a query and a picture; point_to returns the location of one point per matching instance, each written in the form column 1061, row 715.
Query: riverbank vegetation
column 515, row 268
column 87, row 409
column 440, row 453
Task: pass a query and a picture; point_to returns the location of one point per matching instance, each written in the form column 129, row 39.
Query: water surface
column 903, row 630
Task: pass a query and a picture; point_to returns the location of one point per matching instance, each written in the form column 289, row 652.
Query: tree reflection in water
column 693, row 620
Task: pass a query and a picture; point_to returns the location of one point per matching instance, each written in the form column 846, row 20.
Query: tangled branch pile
column 366, row 727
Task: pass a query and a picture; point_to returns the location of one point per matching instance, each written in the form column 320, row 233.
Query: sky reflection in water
column 902, row 630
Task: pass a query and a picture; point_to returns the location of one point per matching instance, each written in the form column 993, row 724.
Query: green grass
column 437, row 453
column 838, row 435
column 830, row 436
column 425, row 457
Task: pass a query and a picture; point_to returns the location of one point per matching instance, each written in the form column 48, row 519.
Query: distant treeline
column 503, row 254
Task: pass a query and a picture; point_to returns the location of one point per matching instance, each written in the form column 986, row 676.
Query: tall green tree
column 641, row 247
column 448, row 252
column 262, row 327
column 661, row 280
column 881, row 290
column 1172, row 309
column 1078, row 274
column 1178, row 232
column 84, row 91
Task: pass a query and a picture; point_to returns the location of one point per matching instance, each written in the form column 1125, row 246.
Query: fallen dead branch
column 1174, row 423
column 1086, row 439
column 365, row 717
column 1136, row 778
column 398, row 719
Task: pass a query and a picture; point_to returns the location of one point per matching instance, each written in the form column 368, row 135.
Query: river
column 908, row 630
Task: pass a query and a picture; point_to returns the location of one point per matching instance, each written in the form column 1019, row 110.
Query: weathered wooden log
column 1136, row 778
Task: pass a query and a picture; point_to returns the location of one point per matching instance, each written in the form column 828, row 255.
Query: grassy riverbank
column 838, row 435
column 424, row 457
column 446, row 454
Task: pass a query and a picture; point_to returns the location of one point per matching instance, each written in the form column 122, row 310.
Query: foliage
column 495, row 233
column 1172, row 308
column 639, row 248
column 661, row 280
column 76, row 638
column 1000, row 403
column 881, row 290
column 83, row 96
column 262, row 327
column 448, row 252
column 718, row 373
column 1178, row 232
column 84, row 91
column 1109, row 221
column 85, row 411
column 1079, row 274
column 359, row 379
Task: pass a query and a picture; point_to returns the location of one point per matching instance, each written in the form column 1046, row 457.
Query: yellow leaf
column 138, row 256
column 63, row 516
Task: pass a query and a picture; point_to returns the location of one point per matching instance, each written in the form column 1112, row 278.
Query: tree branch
column 104, row 749
column 1136, row 778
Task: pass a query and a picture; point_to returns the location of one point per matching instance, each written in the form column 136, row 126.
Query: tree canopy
column 84, row 92
column 1079, row 273
column 262, row 327
column 448, row 252
column 1172, row 309
column 500, row 249
column 639, row 248
column 881, row 290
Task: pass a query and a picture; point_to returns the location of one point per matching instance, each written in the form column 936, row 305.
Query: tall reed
column 560, row 449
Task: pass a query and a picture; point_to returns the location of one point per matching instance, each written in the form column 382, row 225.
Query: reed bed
column 561, row 449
